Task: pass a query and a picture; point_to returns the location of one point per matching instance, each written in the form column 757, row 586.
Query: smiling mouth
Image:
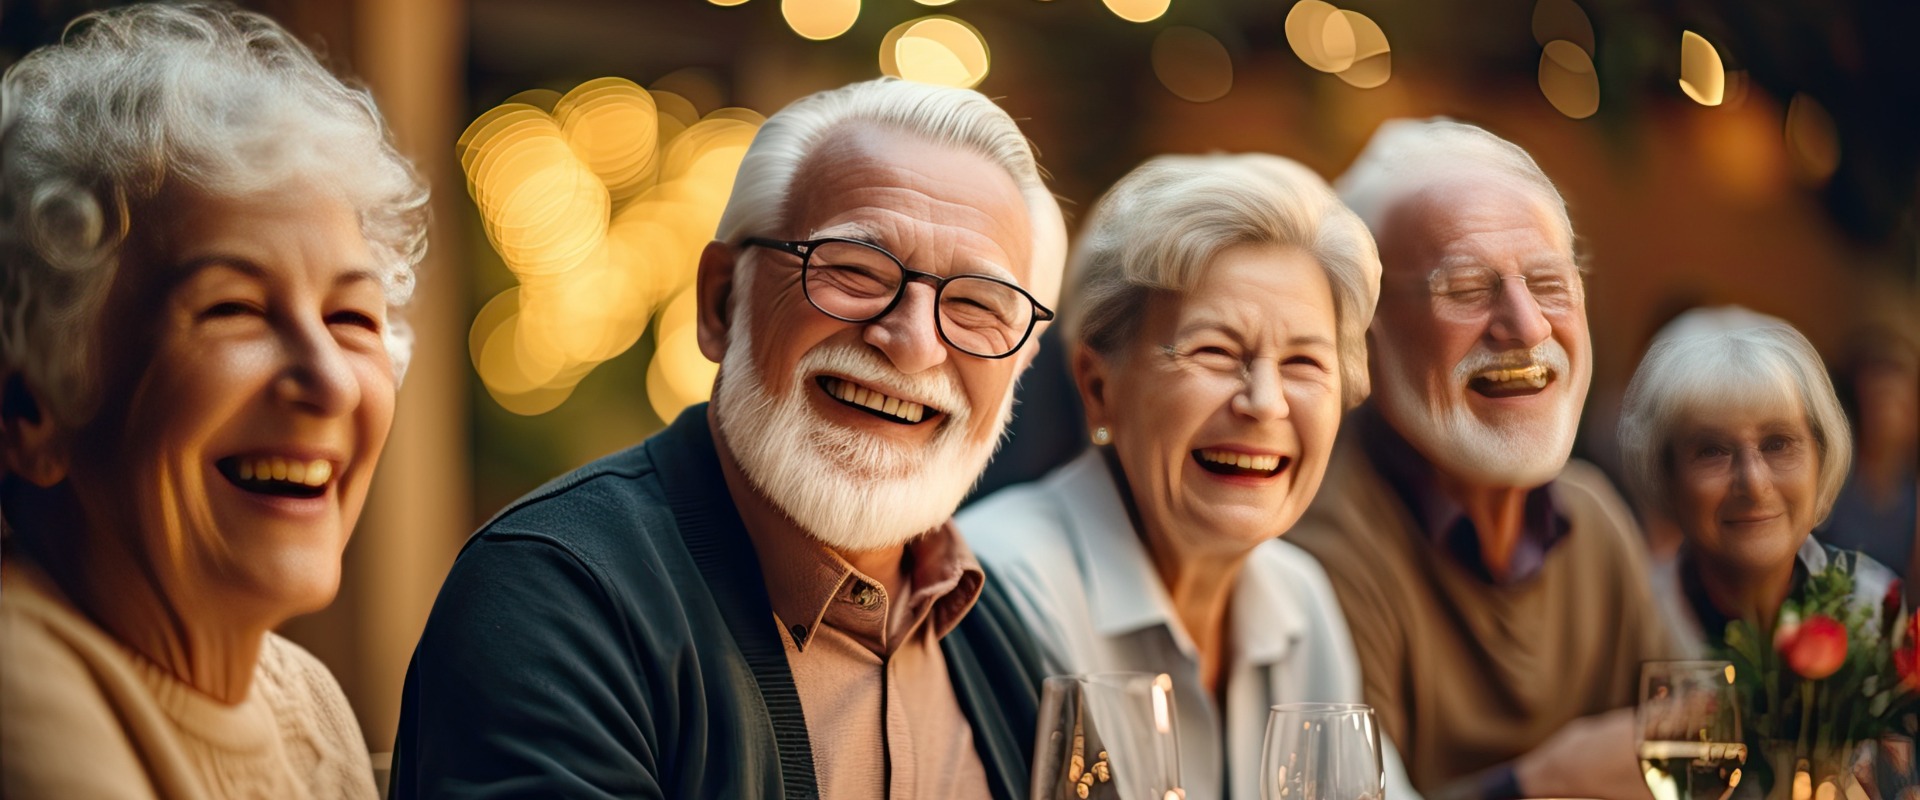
column 278, row 477
column 875, row 402
column 1227, row 462
column 1512, row 381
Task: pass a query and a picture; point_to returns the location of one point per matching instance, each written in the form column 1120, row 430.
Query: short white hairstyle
column 1160, row 228
column 959, row 118
column 1407, row 156
column 1708, row 359
column 145, row 96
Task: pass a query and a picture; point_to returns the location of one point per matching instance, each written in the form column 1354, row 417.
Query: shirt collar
column 805, row 579
column 1124, row 591
column 1443, row 521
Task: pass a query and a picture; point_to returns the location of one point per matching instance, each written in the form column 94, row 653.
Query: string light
column 1702, row 76
column 1568, row 80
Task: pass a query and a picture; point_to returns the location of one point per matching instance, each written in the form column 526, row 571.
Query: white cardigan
column 1067, row 554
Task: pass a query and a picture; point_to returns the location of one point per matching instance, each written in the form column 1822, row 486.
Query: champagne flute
column 1689, row 730
column 1106, row 735
column 1322, row 751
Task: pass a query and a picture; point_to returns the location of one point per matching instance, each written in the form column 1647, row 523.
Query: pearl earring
column 1101, row 435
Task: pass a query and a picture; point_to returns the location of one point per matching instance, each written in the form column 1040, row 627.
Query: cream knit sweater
column 82, row 716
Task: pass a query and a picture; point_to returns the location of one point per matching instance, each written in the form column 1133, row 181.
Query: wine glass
column 1106, row 735
column 1322, row 751
column 1689, row 724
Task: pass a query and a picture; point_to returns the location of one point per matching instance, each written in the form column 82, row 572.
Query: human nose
column 907, row 335
column 316, row 377
column 1750, row 474
column 1262, row 393
column 1517, row 318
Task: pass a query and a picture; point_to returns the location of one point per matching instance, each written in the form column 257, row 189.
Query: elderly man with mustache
column 768, row 599
column 1497, row 592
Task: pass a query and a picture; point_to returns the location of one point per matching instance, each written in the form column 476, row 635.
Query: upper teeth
column 1535, row 375
column 1241, row 460
column 306, row 473
column 859, row 395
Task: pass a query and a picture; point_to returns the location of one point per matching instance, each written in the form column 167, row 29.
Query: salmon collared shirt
column 880, row 708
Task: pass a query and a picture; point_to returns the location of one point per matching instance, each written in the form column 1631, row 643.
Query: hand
column 1588, row 757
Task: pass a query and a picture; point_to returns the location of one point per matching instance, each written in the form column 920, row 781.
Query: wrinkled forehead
column 1483, row 219
column 878, row 183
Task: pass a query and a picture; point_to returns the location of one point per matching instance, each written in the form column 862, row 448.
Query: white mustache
column 936, row 389
column 1547, row 354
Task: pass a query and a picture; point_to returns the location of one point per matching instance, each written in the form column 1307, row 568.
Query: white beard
column 1518, row 450
column 852, row 491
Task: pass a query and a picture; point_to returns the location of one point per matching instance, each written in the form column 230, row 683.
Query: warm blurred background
column 1764, row 154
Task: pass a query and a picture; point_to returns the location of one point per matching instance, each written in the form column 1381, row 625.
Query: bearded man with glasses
column 768, row 598
column 1496, row 590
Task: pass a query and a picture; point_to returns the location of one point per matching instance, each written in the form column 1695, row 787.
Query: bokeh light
column 679, row 375
column 1702, row 76
column 1372, row 62
column 820, row 19
column 1192, row 64
column 726, row 2
column 1813, row 142
column 600, row 206
column 1568, row 79
column 939, row 50
column 1137, row 10
column 1562, row 19
column 1321, row 36
column 933, row 2
column 699, row 85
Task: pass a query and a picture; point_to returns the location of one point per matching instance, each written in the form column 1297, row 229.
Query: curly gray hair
column 135, row 98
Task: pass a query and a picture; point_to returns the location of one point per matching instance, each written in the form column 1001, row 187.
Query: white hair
column 1406, row 156
column 961, row 118
column 1708, row 359
column 1161, row 226
column 140, row 97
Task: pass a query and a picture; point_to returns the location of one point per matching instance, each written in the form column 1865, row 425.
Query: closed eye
column 1307, row 361
column 230, row 308
column 354, row 318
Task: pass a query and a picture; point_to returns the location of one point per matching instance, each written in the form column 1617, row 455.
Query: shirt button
column 865, row 596
column 799, row 633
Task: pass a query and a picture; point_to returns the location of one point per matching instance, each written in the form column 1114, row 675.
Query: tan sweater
column 1466, row 675
column 82, row 716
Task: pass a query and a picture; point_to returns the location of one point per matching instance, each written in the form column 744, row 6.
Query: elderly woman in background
column 1219, row 324
column 204, row 237
column 1730, row 427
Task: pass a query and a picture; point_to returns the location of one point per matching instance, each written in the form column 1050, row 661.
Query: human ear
column 1090, row 375
column 30, row 439
column 713, row 299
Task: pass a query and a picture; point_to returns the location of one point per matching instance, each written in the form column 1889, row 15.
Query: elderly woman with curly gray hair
column 204, row 237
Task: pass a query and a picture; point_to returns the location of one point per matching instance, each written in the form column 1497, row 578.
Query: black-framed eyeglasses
column 855, row 281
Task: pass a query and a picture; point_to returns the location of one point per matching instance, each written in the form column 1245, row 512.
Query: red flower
column 1815, row 648
column 1905, row 662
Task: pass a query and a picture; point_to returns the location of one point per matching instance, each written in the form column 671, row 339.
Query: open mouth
column 875, row 402
column 278, row 477
column 1228, row 462
column 1512, row 381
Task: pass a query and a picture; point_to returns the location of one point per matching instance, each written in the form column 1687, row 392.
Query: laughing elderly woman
column 1220, row 311
column 1731, row 428
column 203, row 235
